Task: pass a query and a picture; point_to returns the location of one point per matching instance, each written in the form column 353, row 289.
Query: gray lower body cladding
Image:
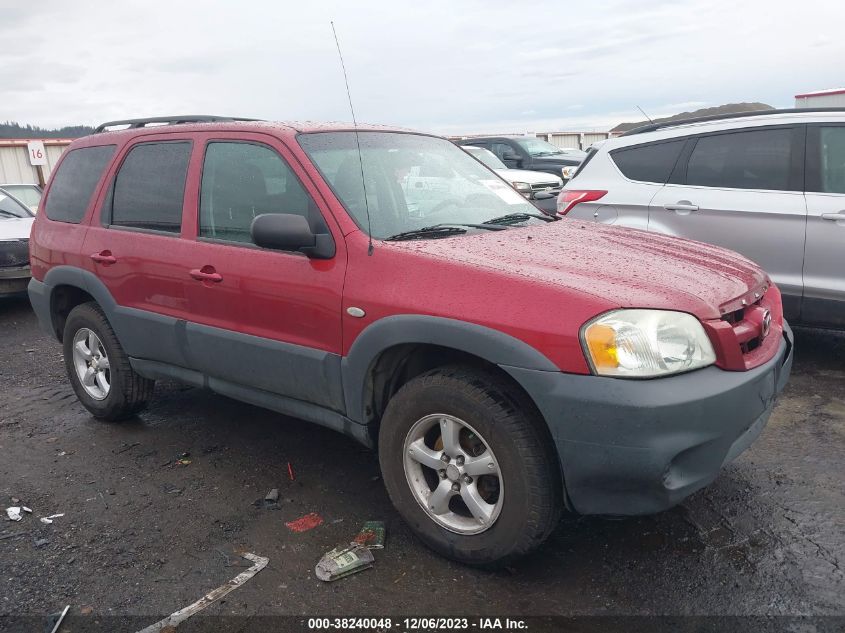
column 641, row 446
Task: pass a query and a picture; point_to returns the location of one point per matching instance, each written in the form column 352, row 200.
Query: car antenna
column 357, row 143
column 644, row 114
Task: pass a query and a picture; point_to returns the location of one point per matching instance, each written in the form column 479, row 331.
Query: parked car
column 770, row 185
column 504, row 363
column 30, row 195
column 534, row 185
column 15, row 225
column 528, row 152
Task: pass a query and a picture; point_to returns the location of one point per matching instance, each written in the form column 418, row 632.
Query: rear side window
column 74, row 182
column 832, row 159
column 758, row 159
column 150, row 187
column 648, row 163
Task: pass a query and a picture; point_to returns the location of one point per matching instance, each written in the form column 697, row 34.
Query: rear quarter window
column 648, row 163
column 74, row 183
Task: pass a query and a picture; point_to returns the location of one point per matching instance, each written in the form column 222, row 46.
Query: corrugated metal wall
column 14, row 162
column 573, row 140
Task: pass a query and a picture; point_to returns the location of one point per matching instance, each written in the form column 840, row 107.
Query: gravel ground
column 142, row 535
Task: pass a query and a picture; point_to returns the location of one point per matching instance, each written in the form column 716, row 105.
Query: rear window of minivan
column 74, row 183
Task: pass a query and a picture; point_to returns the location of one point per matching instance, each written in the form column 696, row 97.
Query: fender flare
column 487, row 343
column 138, row 331
column 41, row 293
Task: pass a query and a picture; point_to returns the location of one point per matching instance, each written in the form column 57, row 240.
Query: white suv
column 769, row 185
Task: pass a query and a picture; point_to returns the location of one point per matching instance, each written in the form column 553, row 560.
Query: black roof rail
column 167, row 120
column 651, row 127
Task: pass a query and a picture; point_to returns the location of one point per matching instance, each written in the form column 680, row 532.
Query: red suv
column 505, row 363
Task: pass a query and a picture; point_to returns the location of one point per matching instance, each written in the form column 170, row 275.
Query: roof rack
column 167, row 120
column 651, row 127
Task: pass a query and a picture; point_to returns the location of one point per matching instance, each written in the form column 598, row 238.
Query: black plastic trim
column 486, row 343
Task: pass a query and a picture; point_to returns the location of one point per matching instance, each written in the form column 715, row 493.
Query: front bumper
column 13, row 280
column 641, row 446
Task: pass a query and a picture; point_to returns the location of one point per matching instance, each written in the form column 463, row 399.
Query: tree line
column 12, row 129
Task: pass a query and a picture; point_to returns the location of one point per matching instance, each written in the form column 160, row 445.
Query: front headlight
column 522, row 187
column 646, row 343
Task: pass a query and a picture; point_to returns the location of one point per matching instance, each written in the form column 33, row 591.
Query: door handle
column 104, row 257
column 683, row 205
column 206, row 273
column 834, row 217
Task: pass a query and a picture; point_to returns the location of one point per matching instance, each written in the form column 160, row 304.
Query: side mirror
column 545, row 195
column 512, row 157
column 290, row 232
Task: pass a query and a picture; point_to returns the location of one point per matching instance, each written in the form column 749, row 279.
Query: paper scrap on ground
column 303, row 524
column 59, row 619
column 174, row 619
column 14, row 512
column 344, row 561
column 49, row 519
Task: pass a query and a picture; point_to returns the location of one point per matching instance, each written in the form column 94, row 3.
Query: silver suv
column 768, row 185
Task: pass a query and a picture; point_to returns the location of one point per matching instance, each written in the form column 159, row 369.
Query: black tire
column 129, row 392
column 514, row 431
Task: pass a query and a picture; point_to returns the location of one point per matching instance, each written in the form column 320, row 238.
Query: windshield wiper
column 516, row 218
column 439, row 230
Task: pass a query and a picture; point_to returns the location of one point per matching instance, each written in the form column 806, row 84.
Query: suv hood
column 624, row 268
column 531, row 177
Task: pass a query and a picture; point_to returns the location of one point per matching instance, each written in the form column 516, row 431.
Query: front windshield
column 538, row 147
column 412, row 181
column 11, row 208
column 487, row 157
column 27, row 194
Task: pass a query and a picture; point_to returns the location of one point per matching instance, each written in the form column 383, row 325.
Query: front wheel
column 99, row 369
column 468, row 466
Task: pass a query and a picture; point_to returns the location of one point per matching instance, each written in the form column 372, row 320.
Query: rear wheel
column 99, row 369
column 468, row 466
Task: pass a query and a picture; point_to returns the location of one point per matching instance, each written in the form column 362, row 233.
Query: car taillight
column 568, row 198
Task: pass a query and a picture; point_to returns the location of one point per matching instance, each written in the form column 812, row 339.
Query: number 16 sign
column 37, row 154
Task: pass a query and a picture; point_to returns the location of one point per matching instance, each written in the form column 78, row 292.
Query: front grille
column 14, row 253
column 543, row 186
column 747, row 324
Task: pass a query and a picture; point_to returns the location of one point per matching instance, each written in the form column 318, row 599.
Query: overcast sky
column 450, row 67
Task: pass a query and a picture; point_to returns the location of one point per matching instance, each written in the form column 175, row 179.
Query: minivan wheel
column 467, row 465
column 99, row 369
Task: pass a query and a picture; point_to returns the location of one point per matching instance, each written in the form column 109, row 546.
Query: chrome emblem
column 767, row 324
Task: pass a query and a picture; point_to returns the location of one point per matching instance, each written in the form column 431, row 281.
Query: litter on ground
column 371, row 535
column 14, row 512
column 48, row 520
column 174, row 619
column 305, row 523
column 344, row 561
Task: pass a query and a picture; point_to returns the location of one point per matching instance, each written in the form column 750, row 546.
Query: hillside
column 11, row 129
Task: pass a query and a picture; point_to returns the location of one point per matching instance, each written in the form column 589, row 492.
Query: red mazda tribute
column 505, row 363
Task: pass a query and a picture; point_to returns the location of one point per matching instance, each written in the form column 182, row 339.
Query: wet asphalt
column 145, row 535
